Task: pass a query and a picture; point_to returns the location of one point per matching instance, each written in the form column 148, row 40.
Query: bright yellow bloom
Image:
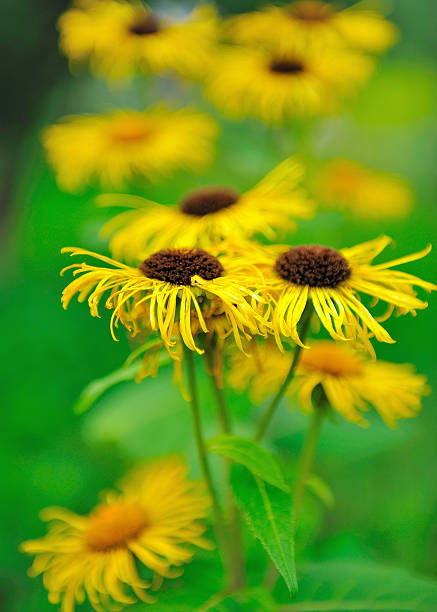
column 120, row 146
column 118, row 38
column 278, row 85
column 210, row 214
column 367, row 193
column 153, row 519
column 350, row 381
column 174, row 292
column 333, row 281
column 315, row 23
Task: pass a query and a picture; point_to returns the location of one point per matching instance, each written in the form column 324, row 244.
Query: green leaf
column 321, row 489
column 250, row 454
column 268, row 512
column 251, row 600
column 350, row 586
column 95, row 389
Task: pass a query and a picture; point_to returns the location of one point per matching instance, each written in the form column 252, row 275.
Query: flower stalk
column 267, row 418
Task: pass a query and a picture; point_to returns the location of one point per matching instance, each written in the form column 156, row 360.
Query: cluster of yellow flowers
column 192, row 274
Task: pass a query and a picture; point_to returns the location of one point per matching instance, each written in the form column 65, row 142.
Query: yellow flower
column 153, row 520
column 117, row 147
column 174, row 292
column 276, row 85
column 334, row 281
column 118, row 38
column 209, row 215
column 316, row 23
column 365, row 192
column 350, row 381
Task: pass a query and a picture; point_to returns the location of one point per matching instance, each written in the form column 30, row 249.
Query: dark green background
column 383, row 480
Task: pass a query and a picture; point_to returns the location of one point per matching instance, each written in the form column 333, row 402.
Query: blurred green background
column 384, row 481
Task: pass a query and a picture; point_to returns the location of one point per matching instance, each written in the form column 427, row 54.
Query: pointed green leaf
column 356, row 586
column 96, row 388
column 251, row 600
column 250, row 454
column 268, row 512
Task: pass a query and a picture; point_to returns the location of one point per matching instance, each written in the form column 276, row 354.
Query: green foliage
column 96, row 388
column 348, row 586
column 252, row 600
column 268, row 512
column 252, row 455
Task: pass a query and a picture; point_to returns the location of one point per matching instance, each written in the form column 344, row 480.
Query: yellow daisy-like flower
column 315, row 23
column 153, row 520
column 276, row 85
column 334, row 281
column 367, row 193
column 118, row 38
column 208, row 215
column 350, row 381
column 173, row 291
column 120, row 146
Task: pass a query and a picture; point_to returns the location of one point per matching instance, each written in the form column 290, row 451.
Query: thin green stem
column 222, row 411
column 201, row 450
column 236, row 556
column 265, row 421
column 308, row 454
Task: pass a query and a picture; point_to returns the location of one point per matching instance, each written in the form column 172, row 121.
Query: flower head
column 278, row 84
column 118, row 38
column 367, row 193
column 315, row 23
column 116, row 147
column 173, row 291
column 209, row 215
column 153, row 519
column 351, row 382
column 334, row 281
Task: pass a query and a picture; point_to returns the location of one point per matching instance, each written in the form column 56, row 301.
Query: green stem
column 307, row 455
column 237, row 576
column 218, row 392
column 201, row 450
column 265, row 421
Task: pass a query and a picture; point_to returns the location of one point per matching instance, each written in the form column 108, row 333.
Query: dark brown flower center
column 178, row 266
column 311, row 10
column 313, row 265
column 144, row 24
column 285, row 66
column 208, row 200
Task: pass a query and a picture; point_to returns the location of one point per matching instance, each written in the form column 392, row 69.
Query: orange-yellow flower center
column 130, row 130
column 311, row 10
column 113, row 525
column 328, row 357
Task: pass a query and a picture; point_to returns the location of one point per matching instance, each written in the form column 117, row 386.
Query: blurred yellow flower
column 350, row 381
column 333, row 281
column 116, row 147
column 316, row 23
column 119, row 38
column 173, row 291
column 276, row 85
column 210, row 214
column 153, row 519
column 367, row 193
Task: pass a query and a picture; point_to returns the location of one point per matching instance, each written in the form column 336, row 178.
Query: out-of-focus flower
column 315, row 23
column 116, row 147
column 118, row 38
column 334, row 281
column 364, row 192
column 153, row 519
column 208, row 215
column 175, row 292
column 351, row 382
column 278, row 84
